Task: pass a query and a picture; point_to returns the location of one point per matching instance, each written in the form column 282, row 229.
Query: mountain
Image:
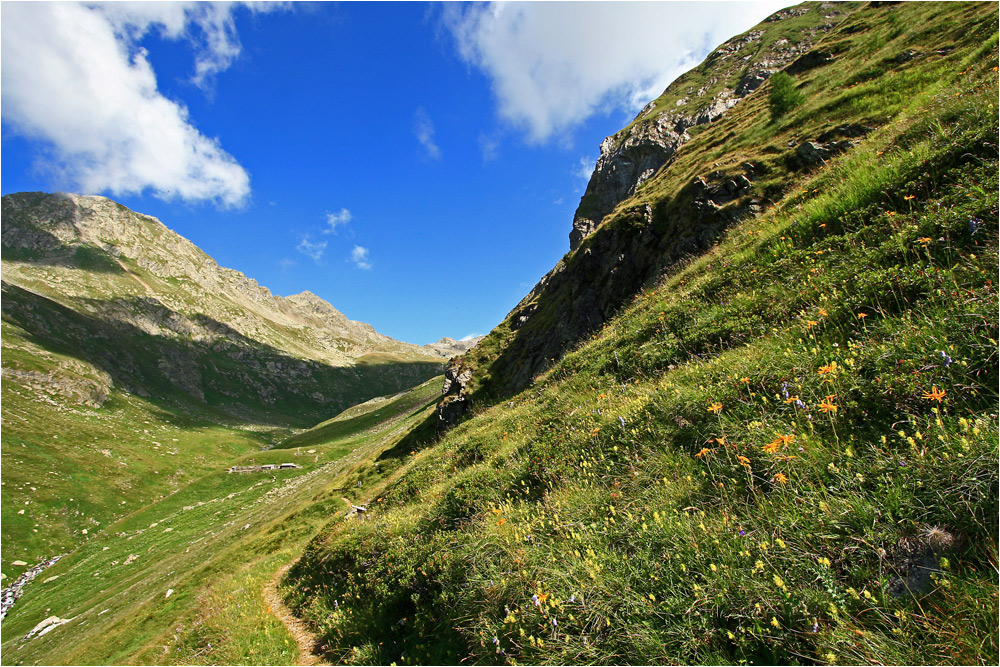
column 132, row 359
column 749, row 418
column 155, row 314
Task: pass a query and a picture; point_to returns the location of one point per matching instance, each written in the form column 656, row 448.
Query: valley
column 750, row 417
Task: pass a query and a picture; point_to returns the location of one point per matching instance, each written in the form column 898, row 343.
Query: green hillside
column 782, row 449
column 750, row 418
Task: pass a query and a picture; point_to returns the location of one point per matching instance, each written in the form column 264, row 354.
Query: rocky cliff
column 730, row 73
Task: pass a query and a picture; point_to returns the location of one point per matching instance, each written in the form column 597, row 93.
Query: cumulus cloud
column 312, row 250
column 424, row 129
column 360, row 257
column 333, row 220
column 75, row 78
column 554, row 64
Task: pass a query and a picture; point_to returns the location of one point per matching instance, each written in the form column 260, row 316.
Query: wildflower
column 744, row 461
column 823, row 313
column 811, row 323
column 780, row 478
column 824, row 561
column 774, row 622
column 721, row 441
column 745, row 380
column 934, row 394
column 502, row 521
column 704, row 450
column 909, row 197
column 829, row 368
column 792, row 399
column 771, row 447
column 714, row 407
column 862, row 316
column 924, row 240
column 827, row 404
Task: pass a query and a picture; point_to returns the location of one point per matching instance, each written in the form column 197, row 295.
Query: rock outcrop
column 734, row 70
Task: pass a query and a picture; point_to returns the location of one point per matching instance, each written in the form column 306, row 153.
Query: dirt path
column 303, row 637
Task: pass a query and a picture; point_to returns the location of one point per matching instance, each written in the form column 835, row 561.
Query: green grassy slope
column 371, row 417
column 783, row 451
column 124, row 377
column 215, row 542
column 868, row 85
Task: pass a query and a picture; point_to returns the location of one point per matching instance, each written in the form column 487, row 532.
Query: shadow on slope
column 233, row 375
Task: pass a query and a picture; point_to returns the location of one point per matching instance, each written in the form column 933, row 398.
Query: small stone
column 19, row 563
column 52, row 578
column 170, row 592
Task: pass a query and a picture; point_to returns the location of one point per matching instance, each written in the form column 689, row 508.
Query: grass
column 742, row 466
column 215, row 542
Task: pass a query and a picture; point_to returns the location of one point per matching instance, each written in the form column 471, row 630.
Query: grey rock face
column 634, row 155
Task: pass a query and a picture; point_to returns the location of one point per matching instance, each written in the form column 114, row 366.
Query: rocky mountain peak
column 633, row 155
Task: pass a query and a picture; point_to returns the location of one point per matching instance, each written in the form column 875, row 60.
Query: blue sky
column 417, row 165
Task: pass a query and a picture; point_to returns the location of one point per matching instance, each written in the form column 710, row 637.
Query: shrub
column 784, row 96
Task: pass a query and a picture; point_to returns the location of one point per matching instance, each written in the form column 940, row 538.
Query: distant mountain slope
column 161, row 318
column 133, row 363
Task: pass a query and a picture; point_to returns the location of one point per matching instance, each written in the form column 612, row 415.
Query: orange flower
column 704, row 450
column 745, row 380
column 811, row 323
column 829, row 368
column 781, row 479
column 714, row 407
column 772, row 447
column 862, row 316
column 502, row 521
column 934, row 394
column 823, row 313
column 721, row 441
column 909, row 197
column 924, row 240
column 792, row 399
column 744, row 461
column 827, row 404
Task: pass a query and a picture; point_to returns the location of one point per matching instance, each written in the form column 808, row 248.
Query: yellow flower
column 862, row 316
column 774, row 622
column 827, row 404
column 934, row 394
column 829, row 368
column 780, row 478
column 909, row 197
column 771, row 447
column 745, row 380
column 714, row 407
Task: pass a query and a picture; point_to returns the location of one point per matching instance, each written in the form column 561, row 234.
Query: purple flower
column 621, row 420
column 534, row 598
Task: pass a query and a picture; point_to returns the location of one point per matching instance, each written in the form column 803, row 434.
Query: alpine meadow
column 750, row 417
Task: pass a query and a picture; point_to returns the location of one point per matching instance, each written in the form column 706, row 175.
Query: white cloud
column 313, row 251
column 585, row 168
column 333, row 220
column 469, row 337
column 490, row 146
column 74, row 78
column 553, row 64
column 424, row 129
column 360, row 257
